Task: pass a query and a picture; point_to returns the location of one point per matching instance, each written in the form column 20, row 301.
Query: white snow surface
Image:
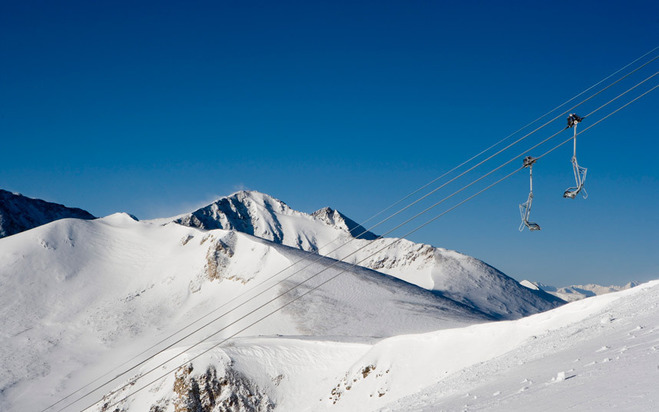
column 596, row 354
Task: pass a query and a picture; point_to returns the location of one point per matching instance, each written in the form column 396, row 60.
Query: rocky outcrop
column 340, row 221
column 211, row 391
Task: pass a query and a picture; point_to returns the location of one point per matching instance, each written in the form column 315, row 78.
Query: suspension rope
column 506, row 138
column 599, row 121
column 622, row 94
column 387, row 246
column 508, row 146
column 395, row 241
column 400, row 225
column 337, row 261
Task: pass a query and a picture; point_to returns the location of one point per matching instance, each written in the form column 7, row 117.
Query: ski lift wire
column 505, row 138
column 397, row 240
column 398, row 202
column 599, row 121
column 501, row 150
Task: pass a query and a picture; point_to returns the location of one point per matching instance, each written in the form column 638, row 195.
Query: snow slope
column 592, row 355
column 79, row 297
column 597, row 354
column 330, row 233
column 19, row 213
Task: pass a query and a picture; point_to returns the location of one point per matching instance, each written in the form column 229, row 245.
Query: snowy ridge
column 330, row 233
column 19, row 213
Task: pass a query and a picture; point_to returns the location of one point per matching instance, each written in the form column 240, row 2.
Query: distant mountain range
column 577, row 292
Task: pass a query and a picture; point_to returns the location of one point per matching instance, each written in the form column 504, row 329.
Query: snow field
column 597, row 354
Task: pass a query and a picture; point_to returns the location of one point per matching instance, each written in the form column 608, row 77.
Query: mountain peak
column 337, row 219
column 19, row 213
column 262, row 215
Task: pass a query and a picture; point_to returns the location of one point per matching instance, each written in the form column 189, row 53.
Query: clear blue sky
column 156, row 108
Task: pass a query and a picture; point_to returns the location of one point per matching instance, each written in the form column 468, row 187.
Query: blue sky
column 156, row 108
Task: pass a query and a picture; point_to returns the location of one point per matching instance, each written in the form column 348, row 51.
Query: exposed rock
column 337, row 219
column 218, row 257
column 210, row 392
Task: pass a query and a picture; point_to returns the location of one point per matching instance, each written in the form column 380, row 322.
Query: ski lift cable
column 506, row 138
column 295, row 263
column 342, row 260
column 119, row 375
column 395, row 241
column 622, row 94
column 599, row 121
column 502, row 150
column 337, row 261
column 514, row 143
column 144, row 361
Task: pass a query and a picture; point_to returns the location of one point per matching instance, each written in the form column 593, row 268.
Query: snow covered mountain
column 81, row 296
column 577, row 292
column 19, row 213
column 263, row 216
column 330, row 233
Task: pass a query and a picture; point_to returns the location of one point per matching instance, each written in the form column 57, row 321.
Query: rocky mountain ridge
column 19, row 213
